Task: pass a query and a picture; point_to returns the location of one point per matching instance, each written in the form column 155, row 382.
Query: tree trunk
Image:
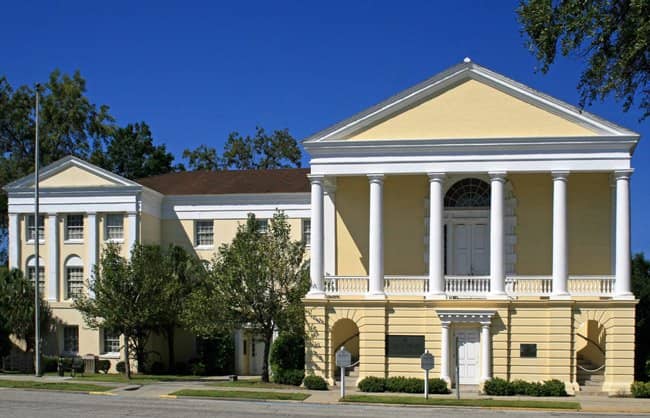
column 170, row 350
column 127, row 363
column 268, row 336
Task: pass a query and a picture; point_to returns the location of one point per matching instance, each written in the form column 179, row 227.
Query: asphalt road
column 32, row 404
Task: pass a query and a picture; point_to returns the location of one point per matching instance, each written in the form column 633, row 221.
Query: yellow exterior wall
column 75, row 177
column 472, row 110
column 352, row 210
column 150, row 229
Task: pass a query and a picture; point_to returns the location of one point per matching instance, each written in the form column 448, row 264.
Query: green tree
column 612, row 36
column 128, row 297
column 17, row 309
column 260, row 277
column 641, row 289
column 257, row 152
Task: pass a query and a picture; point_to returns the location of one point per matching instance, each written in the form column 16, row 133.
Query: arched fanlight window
column 468, row 193
column 31, row 272
column 74, row 276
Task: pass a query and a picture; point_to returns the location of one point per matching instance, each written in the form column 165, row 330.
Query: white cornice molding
column 483, row 317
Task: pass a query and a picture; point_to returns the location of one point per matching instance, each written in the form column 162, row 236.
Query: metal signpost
column 426, row 363
column 343, row 360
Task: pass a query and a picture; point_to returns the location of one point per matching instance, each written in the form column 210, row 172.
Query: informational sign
column 410, row 346
column 343, row 358
column 426, row 361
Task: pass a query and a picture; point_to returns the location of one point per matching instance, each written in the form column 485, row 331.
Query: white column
column 316, row 252
column 497, row 252
column 560, row 241
column 133, row 229
column 444, row 351
column 376, row 244
column 92, row 247
column 623, row 289
column 486, row 352
column 53, row 259
column 14, row 242
column 329, row 225
column 436, row 237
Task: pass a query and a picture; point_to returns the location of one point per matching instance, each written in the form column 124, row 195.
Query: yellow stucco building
column 481, row 220
column 468, row 208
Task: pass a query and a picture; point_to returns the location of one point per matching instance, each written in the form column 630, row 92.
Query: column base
column 435, row 296
column 376, row 296
column 560, row 296
column 315, row 294
column 497, row 295
column 624, row 296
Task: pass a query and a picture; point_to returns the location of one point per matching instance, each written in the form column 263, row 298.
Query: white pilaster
column 53, row 258
column 497, row 248
column 14, row 242
column 317, row 251
column 623, row 288
column 376, row 244
column 92, row 247
column 436, row 237
column 444, row 351
column 329, row 225
column 486, row 352
column 560, row 240
column 132, row 221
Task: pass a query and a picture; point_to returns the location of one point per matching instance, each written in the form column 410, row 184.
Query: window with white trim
column 306, row 231
column 31, row 228
column 74, row 277
column 71, row 339
column 204, row 232
column 111, row 342
column 114, row 226
column 31, row 273
column 262, row 225
column 74, row 227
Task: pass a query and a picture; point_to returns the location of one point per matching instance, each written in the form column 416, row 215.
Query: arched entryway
column 345, row 333
column 591, row 355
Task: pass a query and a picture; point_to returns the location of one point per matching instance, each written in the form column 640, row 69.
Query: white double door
column 468, row 355
column 468, row 247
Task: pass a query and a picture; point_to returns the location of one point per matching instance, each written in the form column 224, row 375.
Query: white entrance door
column 468, row 356
column 470, row 252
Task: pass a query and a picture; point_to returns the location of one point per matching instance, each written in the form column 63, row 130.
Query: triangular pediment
column 469, row 101
column 72, row 172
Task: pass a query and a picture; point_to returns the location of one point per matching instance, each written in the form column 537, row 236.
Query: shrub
column 102, row 366
column 372, row 384
column 288, row 376
column 181, row 367
column 553, row 387
column 288, row 352
column 50, row 364
column 157, row 368
column 640, row 389
column 120, row 367
column 438, row 386
column 498, row 387
column 521, row 387
column 404, row 384
column 197, row 367
column 315, row 383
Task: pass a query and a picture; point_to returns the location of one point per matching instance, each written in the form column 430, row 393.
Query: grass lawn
column 236, row 394
column 499, row 403
column 255, row 383
column 75, row 387
column 140, row 379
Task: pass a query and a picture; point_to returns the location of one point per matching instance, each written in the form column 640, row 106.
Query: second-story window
column 114, row 226
column 31, row 274
column 306, row 231
column 204, row 233
column 74, row 227
column 31, row 228
column 262, row 225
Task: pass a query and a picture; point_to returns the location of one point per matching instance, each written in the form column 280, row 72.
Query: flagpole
column 37, row 296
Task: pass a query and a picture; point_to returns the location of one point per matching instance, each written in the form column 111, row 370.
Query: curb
column 101, row 393
column 168, row 397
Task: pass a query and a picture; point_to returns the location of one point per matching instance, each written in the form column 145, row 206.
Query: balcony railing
column 471, row 287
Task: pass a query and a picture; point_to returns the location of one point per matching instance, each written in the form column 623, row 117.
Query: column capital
column 497, row 175
column 316, row 178
column 445, row 324
column 560, row 175
column 376, row 178
column 437, row 176
column 623, row 174
column 329, row 185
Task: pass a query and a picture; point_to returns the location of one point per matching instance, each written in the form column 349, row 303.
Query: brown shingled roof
column 286, row 180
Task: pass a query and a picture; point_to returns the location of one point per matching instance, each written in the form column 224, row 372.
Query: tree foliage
column 258, row 279
column 612, row 36
column 17, row 310
column 260, row 151
column 641, row 290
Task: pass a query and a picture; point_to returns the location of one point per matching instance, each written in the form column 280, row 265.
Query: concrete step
column 591, row 393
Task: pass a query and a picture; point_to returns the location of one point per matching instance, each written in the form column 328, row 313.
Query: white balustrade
column 406, row 285
column 467, row 286
column 346, row 285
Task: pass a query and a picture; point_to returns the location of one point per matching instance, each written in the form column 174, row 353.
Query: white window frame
column 262, row 225
column 67, row 349
column 108, row 227
column 198, row 234
column 29, row 228
column 76, row 228
column 306, row 237
column 31, row 269
column 114, row 338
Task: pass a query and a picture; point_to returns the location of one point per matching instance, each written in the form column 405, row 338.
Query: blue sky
column 195, row 71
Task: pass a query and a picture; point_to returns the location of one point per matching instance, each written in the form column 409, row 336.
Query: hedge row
column 640, row 389
column 500, row 387
column 402, row 384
